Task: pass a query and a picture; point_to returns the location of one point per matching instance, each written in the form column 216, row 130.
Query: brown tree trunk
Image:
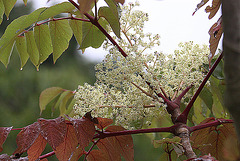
column 231, row 50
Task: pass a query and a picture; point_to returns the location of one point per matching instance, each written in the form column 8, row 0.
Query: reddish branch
column 183, row 117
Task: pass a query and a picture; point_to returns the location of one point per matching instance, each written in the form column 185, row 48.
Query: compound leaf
column 92, row 36
column 37, row 148
column 53, row 131
column 48, row 95
column 8, row 5
column 4, row 131
column 22, row 50
column 26, row 137
column 61, row 34
column 65, row 149
column 43, row 42
column 32, row 48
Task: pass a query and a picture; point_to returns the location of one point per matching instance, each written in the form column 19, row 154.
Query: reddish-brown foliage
column 37, row 148
column 104, row 122
column 4, row 131
column 53, row 131
column 211, row 140
column 65, row 149
column 26, row 137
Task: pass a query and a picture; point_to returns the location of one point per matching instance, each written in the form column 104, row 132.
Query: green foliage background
column 20, row 90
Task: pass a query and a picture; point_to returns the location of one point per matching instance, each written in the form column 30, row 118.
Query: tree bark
column 231, row 50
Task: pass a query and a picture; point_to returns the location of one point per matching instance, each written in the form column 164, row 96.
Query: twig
column 183, row 117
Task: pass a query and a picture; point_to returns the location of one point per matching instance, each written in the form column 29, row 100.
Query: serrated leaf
column 22, row 50
column 84, row 130
column 112, row 18
column 5, row 53
column 64, row 150
column 52, row 11
column 213, row 138
column 123, row 144
column 8, row 5
column 77, row 153
column 43, row 42
column 199, row 5
column 53, row 131
column 32, row 48
column 206, row 96
column 61, row 34
column 215, row 33
column 37, row 148
column 26, row 137
column 103, row 122
column 85, row 5
column 13, row 30
column 48, row 95
column 4, row 131
column 214, row 8
column 92, row 36
column 1, row 11
column 97, row 155
column 77, row 29
column 108, row 149
column 59, row 100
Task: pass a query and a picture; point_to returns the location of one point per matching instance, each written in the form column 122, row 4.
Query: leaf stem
column 210, row 124
column 103, row 135
column 183, row 117
column 47, row 155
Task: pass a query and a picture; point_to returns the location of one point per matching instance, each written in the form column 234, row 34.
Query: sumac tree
column 135, row 92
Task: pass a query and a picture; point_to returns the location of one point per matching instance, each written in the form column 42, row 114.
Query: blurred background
column 20, row 89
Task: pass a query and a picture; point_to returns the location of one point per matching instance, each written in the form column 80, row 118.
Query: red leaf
column 85, row 130
column 97, row 155
column 26, row 137
column 103, row 122
column 120, row 1
column 64, row 150
column 211, row 140
column 214, row 8
column 107, row 148
column 4, row 131
column 5, row 157
column 77, row 153
column 199, row 5
column 115, row 146
column 37, row 148
column 215, row 33
column 123, row 144
column 53, row 131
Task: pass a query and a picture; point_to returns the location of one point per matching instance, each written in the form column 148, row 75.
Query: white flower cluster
column 121, row 92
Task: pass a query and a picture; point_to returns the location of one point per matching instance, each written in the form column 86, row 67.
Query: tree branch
column 183, row 117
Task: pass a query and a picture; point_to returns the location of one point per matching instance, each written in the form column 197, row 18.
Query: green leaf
column 77, row 29
column 47, row 96
column 32, row 48
column 65, row 100
column 22, row 50
column 112, row 18
column 25, row 2
column 52, row 11
column 6, row 53
column 15, row 29
column 1, row 11
column 59, row 100
column 206, row 96
column 43, row 41
column 61, row 34
column 8, row 5
column 92, row 36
